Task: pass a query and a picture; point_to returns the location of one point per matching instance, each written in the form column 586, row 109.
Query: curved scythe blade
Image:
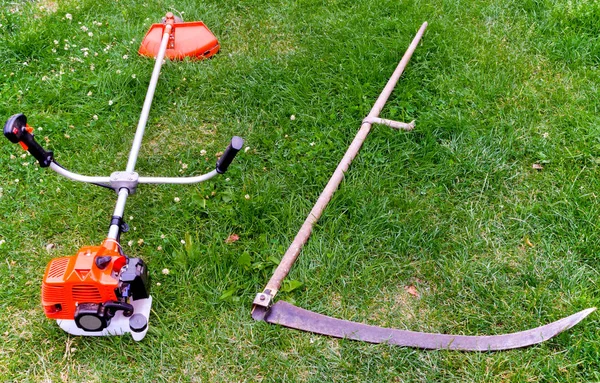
column 288, row 315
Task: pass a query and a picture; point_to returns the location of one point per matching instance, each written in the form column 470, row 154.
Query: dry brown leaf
column 412, row 290
column 232, row 238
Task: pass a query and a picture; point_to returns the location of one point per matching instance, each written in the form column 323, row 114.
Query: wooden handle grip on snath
column 293, row 251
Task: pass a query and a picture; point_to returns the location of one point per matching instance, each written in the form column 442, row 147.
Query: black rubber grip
column 234, row 147
column 15, row 130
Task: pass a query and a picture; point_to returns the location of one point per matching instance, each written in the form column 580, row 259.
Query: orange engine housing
column 78, row 279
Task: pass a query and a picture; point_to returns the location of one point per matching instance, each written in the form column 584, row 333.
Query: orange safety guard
column 192, row 39
column 77, row 279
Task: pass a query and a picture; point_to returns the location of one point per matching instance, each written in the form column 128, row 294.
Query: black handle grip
column 234, row 147
column 14, row 127
column 16, row 131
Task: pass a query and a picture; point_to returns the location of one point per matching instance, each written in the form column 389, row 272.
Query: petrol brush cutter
column 288, row 315
column 100, row 290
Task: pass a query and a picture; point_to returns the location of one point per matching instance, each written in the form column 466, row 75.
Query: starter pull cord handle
column 18, row 132
column 225, row 160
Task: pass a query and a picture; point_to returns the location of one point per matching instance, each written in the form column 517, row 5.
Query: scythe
column 288, row 315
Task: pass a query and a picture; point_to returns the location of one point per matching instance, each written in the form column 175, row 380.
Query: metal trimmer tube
column 114, row 229
column 139, row 134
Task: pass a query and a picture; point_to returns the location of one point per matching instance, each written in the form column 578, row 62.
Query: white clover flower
column 125, row 57
column 69, row 16
column 176, row 199
column 165, row 271
column 133, row 76
column 110, row 102
column 95, row 117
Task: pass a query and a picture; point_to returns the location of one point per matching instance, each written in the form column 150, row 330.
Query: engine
column 91, row 286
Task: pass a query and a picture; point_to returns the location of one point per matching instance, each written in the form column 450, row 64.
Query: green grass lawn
column 454, row 208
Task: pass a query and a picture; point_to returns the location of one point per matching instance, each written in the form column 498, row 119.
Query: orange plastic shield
column 192, row 39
